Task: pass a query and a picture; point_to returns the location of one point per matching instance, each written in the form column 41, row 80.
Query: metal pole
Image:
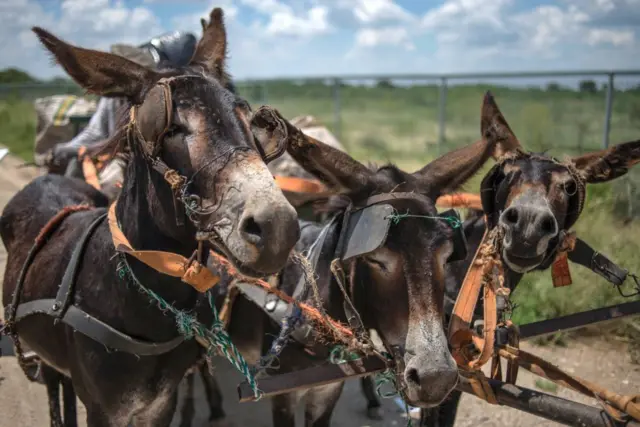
column 442, row 113
column 337, row 115
column 607, row 113
column 547, row 406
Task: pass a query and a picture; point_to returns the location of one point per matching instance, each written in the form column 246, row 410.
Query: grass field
column 401, row 125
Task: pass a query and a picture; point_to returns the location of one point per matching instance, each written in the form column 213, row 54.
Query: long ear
column 333, row 167
column 101, row 73
column 211, row 52
column 448, row 172
column 605, row 165
column 495, row 129
column 204, row 24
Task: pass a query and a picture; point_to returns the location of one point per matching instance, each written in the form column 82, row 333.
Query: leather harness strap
column 63, row 309
column 461, row 337
column 191, row 272
column 94, row 328
column 89, row 169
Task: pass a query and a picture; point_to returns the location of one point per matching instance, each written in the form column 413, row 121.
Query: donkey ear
column 333, row 167
column 605, row 165
column 211, row 52
column 495, row 129
column 450, row 171
column 101, row 73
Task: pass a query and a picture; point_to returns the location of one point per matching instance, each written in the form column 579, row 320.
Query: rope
column 216, row 337
column 328, row 326
column 451, row 220
column 289, row 324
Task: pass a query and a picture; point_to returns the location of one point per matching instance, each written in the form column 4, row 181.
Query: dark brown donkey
column 535, row 199
column 185, row 122
column 397, row 287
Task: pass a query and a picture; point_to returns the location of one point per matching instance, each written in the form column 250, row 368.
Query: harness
column 349, row 235
column 190, row 271
column 499, row 336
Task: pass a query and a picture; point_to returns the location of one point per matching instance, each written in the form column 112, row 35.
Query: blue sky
column 275, row 38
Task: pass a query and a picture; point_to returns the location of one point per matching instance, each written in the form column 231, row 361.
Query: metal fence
column 439, row 106
column 410, row 118
column 445, row 80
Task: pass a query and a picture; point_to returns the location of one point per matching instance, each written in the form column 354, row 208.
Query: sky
column 283, row 38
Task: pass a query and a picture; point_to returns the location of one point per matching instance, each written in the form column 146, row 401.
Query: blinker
column 367, row 230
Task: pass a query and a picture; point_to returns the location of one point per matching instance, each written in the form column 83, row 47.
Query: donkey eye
column 375, row 263
column 173, row 130
column 570, row 187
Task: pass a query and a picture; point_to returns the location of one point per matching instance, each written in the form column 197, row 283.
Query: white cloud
column 389, row 36
column 288, row 24
column 613, row 37
column 371, row 11
column 458, row 13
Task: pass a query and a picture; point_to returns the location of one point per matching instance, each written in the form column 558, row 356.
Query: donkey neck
column 145, row 212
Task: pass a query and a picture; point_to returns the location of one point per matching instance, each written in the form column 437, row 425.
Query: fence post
column 442, row 113
column 607, row 112
column 337, row 114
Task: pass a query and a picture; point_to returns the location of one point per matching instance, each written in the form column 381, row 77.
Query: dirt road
column 607, row 362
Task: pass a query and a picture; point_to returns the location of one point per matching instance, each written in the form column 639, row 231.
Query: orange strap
column 89, row 169
column 313, row 186
column 464, row 341
column 299, row 185
column 175, row 265
column 460, row 200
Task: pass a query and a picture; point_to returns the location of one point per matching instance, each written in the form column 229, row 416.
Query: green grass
column 401, row 125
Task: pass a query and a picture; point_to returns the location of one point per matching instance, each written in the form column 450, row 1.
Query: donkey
column 397, row 288
column 185, row 123
column 535, row 199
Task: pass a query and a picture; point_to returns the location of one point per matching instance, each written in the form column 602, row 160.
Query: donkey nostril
column 548, row 225
column 511, row 216
column 413, row 377
column 251, row 229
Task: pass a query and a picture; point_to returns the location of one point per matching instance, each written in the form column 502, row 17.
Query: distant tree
column 553, row 87
column 588, row 86
column 385, row 84
column 61, row 81
column 14, row 75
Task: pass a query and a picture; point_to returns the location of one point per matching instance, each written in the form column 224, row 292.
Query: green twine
column 339, row 354
column 188, row 326
column 451, row 220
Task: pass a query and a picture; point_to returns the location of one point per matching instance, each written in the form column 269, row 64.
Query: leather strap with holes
column 466, row 343
column 191, row 272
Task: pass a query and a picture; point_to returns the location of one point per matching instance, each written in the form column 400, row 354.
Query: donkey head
column 192, row 144
column 397, row 285
column 536, row 198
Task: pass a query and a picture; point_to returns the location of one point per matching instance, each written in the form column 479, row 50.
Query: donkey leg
column 443, row 415
column 449, row 409
column 188, row 407
column 283, row 409
column 52, row 379
column 374, row 407
column 69, row 402
column 320, row 403
column 159, row 413
column 213, row 392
